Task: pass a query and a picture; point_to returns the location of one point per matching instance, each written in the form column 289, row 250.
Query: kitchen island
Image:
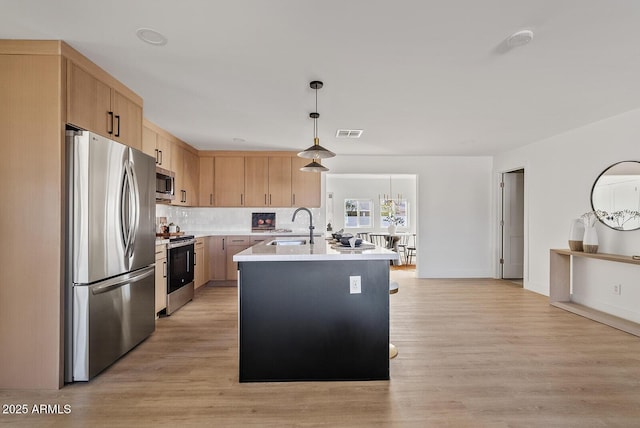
column 313, row 312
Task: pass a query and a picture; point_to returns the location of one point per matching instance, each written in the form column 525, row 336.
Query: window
column 394, row 210
column 358, row 213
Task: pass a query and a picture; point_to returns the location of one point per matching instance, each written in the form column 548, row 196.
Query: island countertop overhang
column 320, row 251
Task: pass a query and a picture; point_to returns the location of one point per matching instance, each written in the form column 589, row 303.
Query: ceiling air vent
column 348, row 133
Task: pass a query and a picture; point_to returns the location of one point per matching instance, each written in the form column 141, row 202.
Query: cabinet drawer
column 161, row 252
column 238, row 240
column 199, row 242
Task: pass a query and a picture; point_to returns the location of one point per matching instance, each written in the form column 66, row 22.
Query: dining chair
column 363, row 235
column 411, row 249
column 402, row 247
column 378, row 239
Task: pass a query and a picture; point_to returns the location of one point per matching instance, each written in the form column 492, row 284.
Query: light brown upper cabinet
column 229, row 181
column 267, row 181
column 95, row 106
column 256, row 181
column 156, row 145
column 280, row 181
column 185, row 166
column 191, row 167
column 305, row 186
column 206, row 182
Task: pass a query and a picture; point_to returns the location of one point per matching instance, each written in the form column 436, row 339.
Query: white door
column 513, row 224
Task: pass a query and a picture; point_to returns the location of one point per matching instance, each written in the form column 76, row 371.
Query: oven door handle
column 120, row 281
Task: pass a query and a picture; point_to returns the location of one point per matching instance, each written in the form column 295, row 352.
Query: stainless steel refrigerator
column 110, row 290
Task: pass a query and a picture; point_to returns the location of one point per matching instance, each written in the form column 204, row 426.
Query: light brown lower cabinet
column 217, row 258
column 201, row 256
column 161, row 277
column 235, row 244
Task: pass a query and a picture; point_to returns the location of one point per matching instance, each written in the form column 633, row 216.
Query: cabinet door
column 235, row 245
column 256, row 181
column 305, row 186
column 191, row 167
column 280, row 182
column 127, row 120
column 88, row 101
column 150, row 142
column 199, row 278
column 229, row 181
column 164, row 152
column 205, row 190
column 217, row 258
column 177, row 166
column 161, row 278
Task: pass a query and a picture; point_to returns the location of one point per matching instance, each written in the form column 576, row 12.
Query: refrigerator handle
column 125, row 217
column 134, row 207
column 119, row 282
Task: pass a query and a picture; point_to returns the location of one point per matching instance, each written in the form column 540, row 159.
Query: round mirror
column 616, row 196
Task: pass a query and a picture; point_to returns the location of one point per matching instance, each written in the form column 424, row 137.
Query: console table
column 560, row 291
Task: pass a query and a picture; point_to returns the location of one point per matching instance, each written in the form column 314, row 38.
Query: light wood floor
column 473, row 353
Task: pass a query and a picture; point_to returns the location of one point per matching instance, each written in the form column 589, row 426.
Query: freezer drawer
column 110, row 318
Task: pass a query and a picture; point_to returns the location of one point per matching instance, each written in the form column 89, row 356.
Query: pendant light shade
column 316, row 151
column 314, row 167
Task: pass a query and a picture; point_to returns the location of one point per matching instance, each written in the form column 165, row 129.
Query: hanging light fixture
column 315, row 152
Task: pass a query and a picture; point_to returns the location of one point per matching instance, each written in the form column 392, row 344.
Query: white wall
column 559, row 174
column 370, row 186
column 453, row 205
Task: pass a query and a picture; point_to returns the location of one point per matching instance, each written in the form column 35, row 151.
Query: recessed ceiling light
column 152, row 37
column 520, row 38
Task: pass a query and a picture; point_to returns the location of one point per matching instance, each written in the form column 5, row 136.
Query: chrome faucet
column 310, row 222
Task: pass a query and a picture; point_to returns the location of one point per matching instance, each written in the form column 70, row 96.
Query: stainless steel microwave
column 165, row 185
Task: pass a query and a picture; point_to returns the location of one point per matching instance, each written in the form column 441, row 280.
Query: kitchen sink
column 287, row 242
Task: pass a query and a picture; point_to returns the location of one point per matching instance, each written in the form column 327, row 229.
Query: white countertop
column 243, row 232
column 319, row 251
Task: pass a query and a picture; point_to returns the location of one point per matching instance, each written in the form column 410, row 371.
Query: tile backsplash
column 237, row 219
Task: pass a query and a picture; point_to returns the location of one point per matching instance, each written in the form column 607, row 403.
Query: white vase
column 576, row 233
column 590, row 240
column 392, row 229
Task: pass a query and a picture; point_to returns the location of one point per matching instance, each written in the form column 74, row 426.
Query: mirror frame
column 594, row 186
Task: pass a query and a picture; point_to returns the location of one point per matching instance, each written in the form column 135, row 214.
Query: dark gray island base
column 299, row 321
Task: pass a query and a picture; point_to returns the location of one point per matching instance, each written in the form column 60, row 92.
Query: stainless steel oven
column 180, row 266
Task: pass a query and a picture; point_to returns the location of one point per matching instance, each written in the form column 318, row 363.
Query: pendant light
column 315, row 152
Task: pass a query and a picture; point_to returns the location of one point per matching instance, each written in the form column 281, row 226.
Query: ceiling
column 419, row 77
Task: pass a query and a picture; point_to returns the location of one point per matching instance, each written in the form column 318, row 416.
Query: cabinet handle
column 294, row 199
column 223, row 244
column 157, row 156
column 110, row 122
column 160, row 151
column 210, row 198
column 269, row 198
column 118, row 132
column 265, row 199
column 241, row 199
column 195, row 257
column 164, row 269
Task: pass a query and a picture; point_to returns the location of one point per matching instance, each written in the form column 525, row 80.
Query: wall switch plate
column 617, row 289
column 355, row 284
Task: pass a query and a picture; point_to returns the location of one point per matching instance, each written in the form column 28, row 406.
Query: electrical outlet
column 355, row 285
column 617, row 289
